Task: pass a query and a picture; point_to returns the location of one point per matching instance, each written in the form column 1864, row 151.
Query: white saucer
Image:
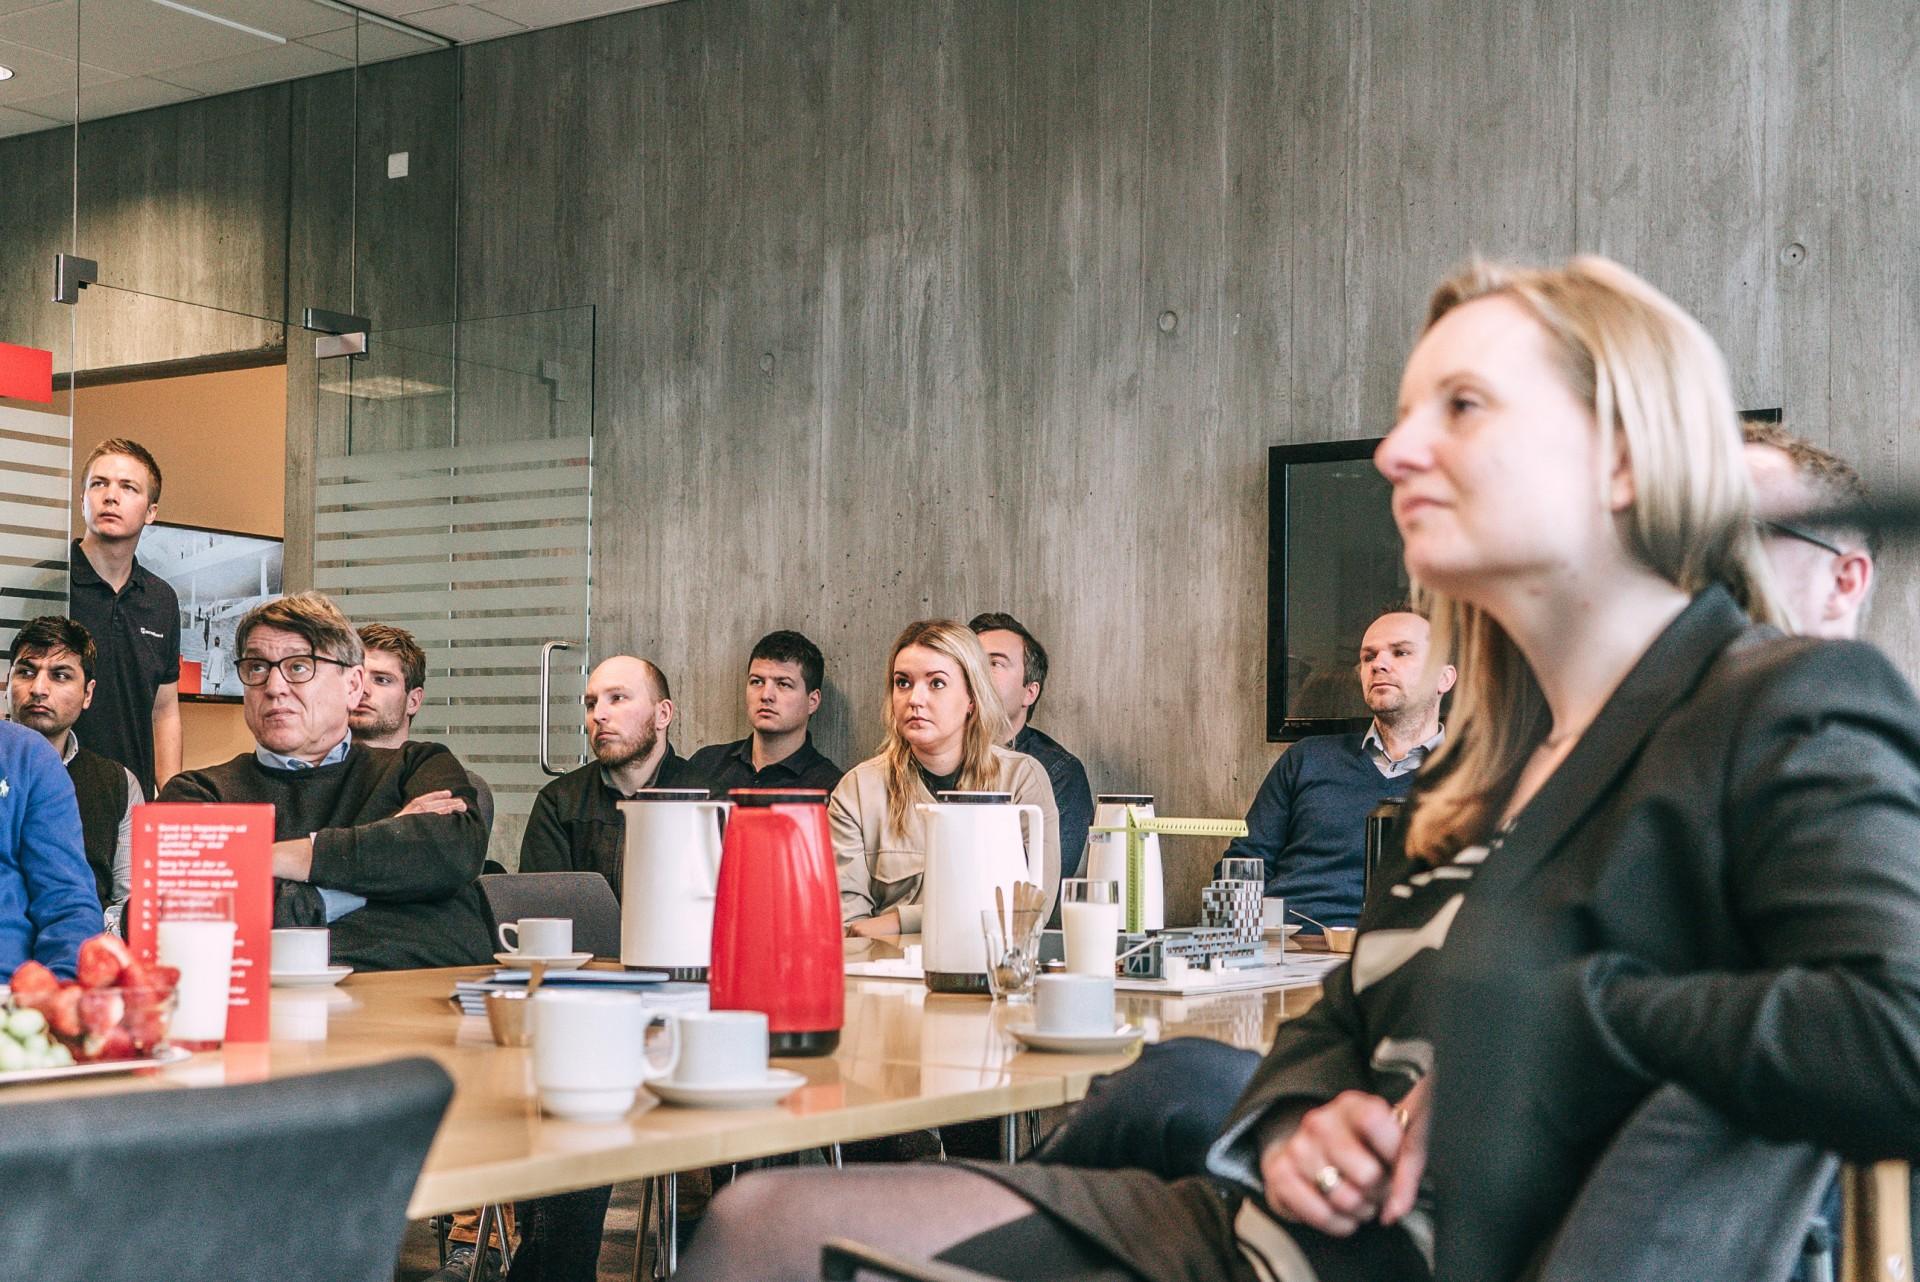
column 565, row 961
column 779, row 1084
column 310, row 978
column 1075, row 1043
column 1287, row 931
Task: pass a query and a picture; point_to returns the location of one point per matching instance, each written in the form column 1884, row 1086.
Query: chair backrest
column 584, row 896
column 303, row 1178
column 1681, row 1192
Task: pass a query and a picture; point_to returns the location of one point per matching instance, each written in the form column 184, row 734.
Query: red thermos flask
column 776, row 920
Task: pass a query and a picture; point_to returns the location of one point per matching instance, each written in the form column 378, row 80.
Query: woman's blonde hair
column 1658, row 388
column 985, row 724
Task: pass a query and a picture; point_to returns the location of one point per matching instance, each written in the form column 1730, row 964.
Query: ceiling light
column 6, row 73
column 225, row 22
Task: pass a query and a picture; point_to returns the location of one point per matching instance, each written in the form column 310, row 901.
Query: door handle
column 546, row 684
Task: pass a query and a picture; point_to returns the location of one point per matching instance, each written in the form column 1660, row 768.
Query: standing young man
column 784, row 673
column 132, row 615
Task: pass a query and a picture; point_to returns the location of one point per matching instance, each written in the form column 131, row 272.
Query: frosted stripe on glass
column 15, row 483
column 17, row 451
column 33, row 576
column 439, row 515
column 494, row 570
column 377, row 604
column 38, row 517
column 519, row 480
column 374, row 547
column 392, row 462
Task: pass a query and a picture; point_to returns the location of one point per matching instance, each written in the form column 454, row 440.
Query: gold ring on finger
column 1400, row 1116
column 1327, row 1179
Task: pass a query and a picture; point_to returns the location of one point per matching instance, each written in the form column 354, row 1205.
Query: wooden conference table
column 907, row 1059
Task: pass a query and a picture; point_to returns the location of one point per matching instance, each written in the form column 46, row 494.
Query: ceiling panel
column 39, row 75
column 19, row 122
column 129, row 93
column 132, row 37
column 261, row 67
column 463, row 22
column 373, row 42
column 139, row 53
column 553, row 13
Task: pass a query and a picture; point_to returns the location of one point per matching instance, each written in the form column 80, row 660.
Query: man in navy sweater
column 1308, row 821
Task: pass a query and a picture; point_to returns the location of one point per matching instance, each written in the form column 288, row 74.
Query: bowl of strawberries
column 116, row 1008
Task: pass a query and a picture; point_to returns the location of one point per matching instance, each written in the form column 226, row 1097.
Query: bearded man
column 576, row 824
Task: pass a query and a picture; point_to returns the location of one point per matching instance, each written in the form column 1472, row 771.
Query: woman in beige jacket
column 943, row 720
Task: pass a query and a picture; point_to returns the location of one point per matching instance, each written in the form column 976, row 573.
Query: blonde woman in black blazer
column 1664, row 847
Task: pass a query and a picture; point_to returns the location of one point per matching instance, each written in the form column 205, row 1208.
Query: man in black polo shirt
column 784, row 674
column 1018, row 664
column 49, row 687
column 575, row 824
column 132, row 615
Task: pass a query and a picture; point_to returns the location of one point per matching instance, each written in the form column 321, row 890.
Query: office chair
column 302, row 1178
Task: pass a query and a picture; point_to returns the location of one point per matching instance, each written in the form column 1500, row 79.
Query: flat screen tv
column 1333, row 563
column 218, row 575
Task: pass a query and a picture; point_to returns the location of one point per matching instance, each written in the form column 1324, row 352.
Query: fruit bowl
column 119, row 1008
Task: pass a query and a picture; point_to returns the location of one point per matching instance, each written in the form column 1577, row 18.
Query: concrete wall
column 911, row 309
column 931, row 308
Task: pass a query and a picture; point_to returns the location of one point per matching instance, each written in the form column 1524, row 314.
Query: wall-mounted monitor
column 218, row 575
column 1333, row 563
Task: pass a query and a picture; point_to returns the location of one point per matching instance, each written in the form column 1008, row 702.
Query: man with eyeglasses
column 1824, row 573
column 381, row 844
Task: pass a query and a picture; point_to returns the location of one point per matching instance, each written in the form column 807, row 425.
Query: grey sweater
column 416, row 872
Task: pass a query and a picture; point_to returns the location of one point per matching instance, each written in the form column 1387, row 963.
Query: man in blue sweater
column 47, row 902
column 1308, row 821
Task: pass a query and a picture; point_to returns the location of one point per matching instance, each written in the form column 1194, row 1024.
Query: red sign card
column 189, row 847
column 26, row 373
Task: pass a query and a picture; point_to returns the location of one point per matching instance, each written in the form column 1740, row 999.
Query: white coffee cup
column 722, row 1048
column 1073, row 1004
column 538, row 936
column 590, row 1052
column 300, row 950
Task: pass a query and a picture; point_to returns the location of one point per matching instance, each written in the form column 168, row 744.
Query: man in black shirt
column 575, row 825
column 132, row 615
column 784, row 674
column 50, row 685
column 380, row 844
column 1019, row 666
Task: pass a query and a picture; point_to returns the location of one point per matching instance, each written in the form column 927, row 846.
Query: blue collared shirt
column 338, row 903
column 1376, row 751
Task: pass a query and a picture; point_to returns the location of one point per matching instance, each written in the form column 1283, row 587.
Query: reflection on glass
column 454, row 503
column 1343, row 568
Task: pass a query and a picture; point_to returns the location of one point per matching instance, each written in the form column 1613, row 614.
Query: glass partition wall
column 248, row 184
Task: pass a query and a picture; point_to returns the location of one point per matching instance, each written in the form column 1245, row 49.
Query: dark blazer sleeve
column 1314, row 1058
column 1820, row 1039
column 408, row 857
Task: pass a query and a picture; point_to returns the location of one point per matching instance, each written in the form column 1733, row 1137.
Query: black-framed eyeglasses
column 298, row 669
column 1787, row 531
